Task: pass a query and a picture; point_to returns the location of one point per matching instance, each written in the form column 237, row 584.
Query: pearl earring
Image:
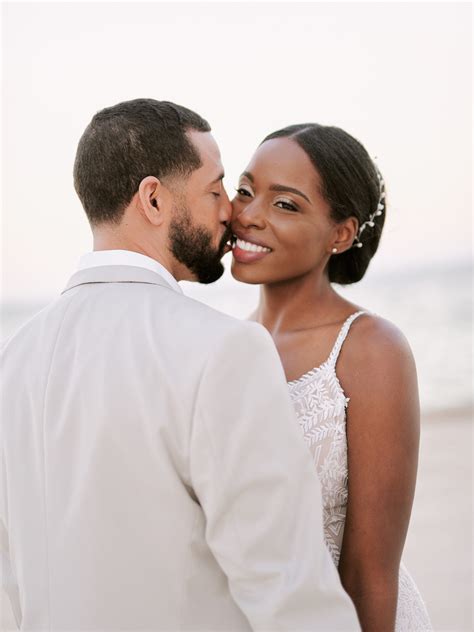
column 334, row 250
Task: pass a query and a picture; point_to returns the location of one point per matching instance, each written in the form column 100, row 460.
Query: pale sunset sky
column 394, row 75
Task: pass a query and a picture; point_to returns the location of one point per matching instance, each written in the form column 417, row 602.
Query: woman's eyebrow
column 248, row 175
column 278, row 187
column 283, row 187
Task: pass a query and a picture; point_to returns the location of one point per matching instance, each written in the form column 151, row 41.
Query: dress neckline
column 310, row 373
column 330, row 362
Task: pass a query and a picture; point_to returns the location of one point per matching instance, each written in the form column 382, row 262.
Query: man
column 153, row 477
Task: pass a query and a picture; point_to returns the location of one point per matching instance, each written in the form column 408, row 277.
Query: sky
column 397, row 76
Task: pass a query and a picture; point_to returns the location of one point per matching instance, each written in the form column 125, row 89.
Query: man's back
column 130, row 483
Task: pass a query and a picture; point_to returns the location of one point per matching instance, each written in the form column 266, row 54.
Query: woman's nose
column 250, row 215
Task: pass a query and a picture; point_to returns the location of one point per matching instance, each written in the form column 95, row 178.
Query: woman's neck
column 297, row 304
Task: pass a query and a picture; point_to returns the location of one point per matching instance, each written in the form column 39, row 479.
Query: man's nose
column 225, row 211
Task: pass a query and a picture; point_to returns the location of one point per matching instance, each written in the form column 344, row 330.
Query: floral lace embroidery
column 320, row 409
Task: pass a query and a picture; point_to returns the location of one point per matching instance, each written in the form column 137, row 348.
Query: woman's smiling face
column 281, row 221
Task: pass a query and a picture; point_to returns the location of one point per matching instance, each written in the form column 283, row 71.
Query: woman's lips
column 245, row 252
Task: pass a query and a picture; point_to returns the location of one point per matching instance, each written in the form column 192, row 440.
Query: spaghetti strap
column 333, row 356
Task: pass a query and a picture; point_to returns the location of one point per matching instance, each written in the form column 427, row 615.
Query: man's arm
column 258, row 488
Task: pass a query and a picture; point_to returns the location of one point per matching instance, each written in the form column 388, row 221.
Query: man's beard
column 191, row 245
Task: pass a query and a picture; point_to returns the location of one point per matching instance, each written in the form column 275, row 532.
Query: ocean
column 431, row 305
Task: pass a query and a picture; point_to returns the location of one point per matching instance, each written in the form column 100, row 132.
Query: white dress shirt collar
column 127, row 258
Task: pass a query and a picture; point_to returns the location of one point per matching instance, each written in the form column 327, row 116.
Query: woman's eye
column 242, row 191
column 287, row 206
column 215, row 194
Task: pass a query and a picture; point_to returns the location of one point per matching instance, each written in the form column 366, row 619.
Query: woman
column 309, row 212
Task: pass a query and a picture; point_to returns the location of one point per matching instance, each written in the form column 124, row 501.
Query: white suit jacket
column 153, row 476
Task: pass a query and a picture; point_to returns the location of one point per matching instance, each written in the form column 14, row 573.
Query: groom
column 153, row 476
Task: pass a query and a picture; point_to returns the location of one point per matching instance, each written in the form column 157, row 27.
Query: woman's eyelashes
column 244, row 191
column 286, row 205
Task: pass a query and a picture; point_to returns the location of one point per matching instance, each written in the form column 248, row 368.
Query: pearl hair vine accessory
column 370, row 222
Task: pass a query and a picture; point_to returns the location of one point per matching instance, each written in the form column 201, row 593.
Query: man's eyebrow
column 218, row 179
column 283, row 188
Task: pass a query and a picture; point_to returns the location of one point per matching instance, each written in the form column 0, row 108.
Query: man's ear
column 344, row 235
column 154, row 199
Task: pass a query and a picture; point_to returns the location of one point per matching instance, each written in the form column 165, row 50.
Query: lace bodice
column 320, row 405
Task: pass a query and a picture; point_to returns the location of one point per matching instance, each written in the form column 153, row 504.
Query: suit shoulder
column 207, row 336
column 211, row 320
column 28, row 329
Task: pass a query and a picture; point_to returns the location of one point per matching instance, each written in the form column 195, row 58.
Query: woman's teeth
column 246, row 245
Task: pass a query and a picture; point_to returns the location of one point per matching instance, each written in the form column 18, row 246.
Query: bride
column 308, row 213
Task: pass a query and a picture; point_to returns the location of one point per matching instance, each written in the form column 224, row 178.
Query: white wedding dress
column 320, row 405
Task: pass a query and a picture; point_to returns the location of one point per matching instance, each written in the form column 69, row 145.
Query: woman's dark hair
column 127, row 142
column 350, row 185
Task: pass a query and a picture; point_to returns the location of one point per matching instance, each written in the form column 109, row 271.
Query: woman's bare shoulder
column 376, row 353
column 374, row 336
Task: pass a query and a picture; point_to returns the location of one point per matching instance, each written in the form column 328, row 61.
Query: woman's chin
column 245, row 274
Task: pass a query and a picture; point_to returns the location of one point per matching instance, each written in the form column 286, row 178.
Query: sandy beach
column 438, row 551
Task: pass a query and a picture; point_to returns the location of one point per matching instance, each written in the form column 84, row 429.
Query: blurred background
column 397, row 76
